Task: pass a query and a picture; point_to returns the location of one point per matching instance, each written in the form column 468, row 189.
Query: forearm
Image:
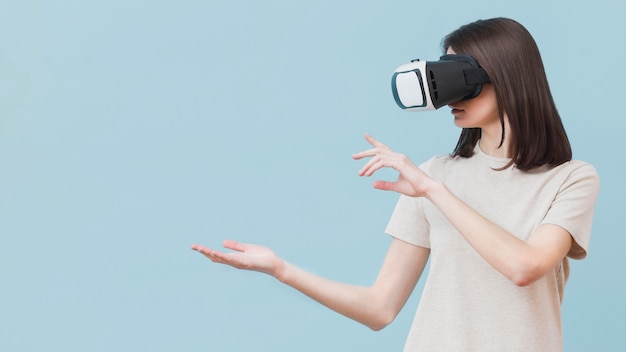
column 518, row 260
column 356, row 302
column 522, row 262
column 374, row 306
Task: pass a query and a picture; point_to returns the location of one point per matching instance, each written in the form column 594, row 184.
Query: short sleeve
column 573, row 207
column 408, row 222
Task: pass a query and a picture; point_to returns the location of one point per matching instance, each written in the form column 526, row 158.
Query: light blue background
column 131, row 129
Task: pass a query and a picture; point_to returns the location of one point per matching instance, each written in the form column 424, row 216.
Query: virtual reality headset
column 429, row 85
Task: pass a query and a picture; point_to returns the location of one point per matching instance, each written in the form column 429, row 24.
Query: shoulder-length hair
column 511, row 58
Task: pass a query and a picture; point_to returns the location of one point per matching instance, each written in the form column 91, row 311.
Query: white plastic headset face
column 429, row 85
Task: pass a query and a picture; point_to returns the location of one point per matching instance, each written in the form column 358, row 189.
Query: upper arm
column 566, row 228
column 548, row 245
column 401, row 269
column 573, row 207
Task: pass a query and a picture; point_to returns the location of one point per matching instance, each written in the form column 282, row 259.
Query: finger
column 385, row 185
column 378, row 164
column 364, row 154
column 234, row 245
column 373, row 141
column 234, row 259
column 366, row 168
column 201, row 249
column 224, row 258
column 207, row 252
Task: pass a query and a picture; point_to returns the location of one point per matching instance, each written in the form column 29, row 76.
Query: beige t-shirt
column 466, row 304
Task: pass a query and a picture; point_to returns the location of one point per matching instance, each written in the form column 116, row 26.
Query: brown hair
column 509, row 55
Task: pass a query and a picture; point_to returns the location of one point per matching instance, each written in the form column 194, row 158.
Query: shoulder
column 571, row 175
column 572, row 168
column 444, row 166
column 581, row 166
column 576, row 164
column 578, row 171
column 572, row 182
column 435, row 162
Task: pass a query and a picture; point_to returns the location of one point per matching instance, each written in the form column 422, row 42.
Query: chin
column 460, row 123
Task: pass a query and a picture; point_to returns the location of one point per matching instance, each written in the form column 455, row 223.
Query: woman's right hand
column 245, row 256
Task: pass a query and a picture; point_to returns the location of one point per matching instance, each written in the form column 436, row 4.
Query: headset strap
column 476, row 76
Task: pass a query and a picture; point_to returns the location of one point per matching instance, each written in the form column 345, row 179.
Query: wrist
column 434, row 190
column 280, row 273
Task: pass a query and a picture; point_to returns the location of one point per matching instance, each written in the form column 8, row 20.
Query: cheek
column 479, row 112
column 486, row 102
column 488, row 113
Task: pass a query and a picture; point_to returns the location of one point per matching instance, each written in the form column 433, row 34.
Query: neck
column 490, row 141
column 492, row 148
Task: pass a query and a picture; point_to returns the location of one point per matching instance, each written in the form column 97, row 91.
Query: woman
column 497, row 218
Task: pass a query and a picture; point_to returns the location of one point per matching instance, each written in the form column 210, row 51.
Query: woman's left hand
column 411, row 181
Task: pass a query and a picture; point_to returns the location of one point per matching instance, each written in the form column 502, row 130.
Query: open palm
column 244, row 256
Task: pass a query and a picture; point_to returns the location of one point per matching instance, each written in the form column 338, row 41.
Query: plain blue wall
column 131, row 129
